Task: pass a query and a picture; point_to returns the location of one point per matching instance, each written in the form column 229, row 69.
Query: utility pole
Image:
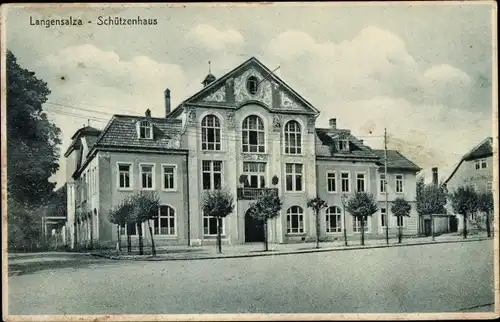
column 385, row 190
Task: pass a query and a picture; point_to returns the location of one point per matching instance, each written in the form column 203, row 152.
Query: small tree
column 361, row 205
column 267, row 206
column 317, row 204
column 400, row 208
column 219, row 204
column 120, row 216
column 431, row 200
column 464, row 201
column 146, row 205
column 485, row 204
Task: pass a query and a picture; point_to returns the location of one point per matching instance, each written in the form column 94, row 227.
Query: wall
column 468, row 174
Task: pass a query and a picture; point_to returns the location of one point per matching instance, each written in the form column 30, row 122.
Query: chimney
column 167, row 102
column 148, row 113
column 333, row 124
column 435, row 176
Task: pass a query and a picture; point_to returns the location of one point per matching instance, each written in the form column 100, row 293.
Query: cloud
column 210, row 38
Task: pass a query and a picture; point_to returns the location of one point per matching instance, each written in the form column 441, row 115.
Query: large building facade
column 237, row 133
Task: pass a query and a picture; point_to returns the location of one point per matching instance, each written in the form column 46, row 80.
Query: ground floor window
column 400, row 221
column 356, row 224
column 295, row 220
column 333, row 220
column 210, row 226
column 164, row 223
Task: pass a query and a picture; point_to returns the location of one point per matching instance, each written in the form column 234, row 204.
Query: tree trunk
column 153, row 248
column 317, row 229
column 266, row 245
column 74, row 235
column 219, row 235
column 465, row 226
column 362, row 231
column 118, row 238
column 141, row 244
column 400, row 234
column 488, row 228
column 129, row 243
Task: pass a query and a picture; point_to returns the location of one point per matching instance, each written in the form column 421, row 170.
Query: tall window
column 253, row 134
column 293, row 138
column 252, row 84
column 331, row 182
column 333, row 220
column 212, row 174
column 124, row 175
column 210, row 225
column 343, row 145
column 477, row 164
column 147, row 176
column 400, row 221
column 345, row 181
column 356, row 224
column 210, row 133
column 164, row 223
column 399, row 183
column 145, row 130
column 293, row 177
column 360, row 182
column 256, row 174
column 383, row 217
column 382, row 183
column 295, row 220
column 129, row 229
column 169, row 177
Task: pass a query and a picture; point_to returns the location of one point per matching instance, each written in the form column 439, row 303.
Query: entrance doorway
column 453, row 224
column 254, row 229
column 428, row 227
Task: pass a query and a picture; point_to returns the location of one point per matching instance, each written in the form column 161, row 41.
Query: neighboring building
column 248, row 122
column 476, row 169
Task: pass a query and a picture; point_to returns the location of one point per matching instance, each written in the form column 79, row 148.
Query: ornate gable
column 251, row 82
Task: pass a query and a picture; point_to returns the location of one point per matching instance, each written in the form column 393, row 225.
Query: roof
column 396, row 160
column 221, row 81
column 87, row 131
column 121, row 132
column 483, row 149
column 325, row 143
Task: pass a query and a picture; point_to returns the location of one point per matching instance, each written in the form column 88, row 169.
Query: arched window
column 210, row 133
column 164, row 223
column 253, row 134
column 293, row 138
column 252, row 84
column 333, row 220
column 295, row 220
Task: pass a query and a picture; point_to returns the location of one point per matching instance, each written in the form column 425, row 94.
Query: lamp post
column 343, row 199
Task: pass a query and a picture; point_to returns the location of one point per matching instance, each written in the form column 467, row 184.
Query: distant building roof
column 482, row 150
column 326, row 145
column 87, row 131
column 396, row 160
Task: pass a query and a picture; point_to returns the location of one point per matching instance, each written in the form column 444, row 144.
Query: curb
column 271, row 253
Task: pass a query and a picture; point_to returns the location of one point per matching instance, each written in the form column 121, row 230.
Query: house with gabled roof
column 237, row 132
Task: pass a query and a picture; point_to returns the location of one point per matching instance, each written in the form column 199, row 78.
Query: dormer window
column 252, row 83
column 343, row 145
column 145, row 130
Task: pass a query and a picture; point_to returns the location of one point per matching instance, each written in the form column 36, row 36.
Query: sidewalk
column 257, row 249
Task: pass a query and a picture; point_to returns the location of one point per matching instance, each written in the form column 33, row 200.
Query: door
column 254, row 229
column 453, row 224
column 428, row 227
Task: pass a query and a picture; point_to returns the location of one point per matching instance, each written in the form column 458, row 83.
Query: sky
column 422, row 71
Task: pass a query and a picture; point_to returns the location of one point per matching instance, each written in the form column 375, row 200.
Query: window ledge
column 125, row 189
column 169, row 190
column 295, row 234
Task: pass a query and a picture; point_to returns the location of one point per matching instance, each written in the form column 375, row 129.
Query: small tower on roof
column 209, row 78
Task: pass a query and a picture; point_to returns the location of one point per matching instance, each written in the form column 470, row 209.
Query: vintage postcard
column 250, row 161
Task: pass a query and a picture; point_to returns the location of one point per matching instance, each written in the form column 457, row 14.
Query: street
column 428, row 278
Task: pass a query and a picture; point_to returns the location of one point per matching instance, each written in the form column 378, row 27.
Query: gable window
column 477, row 164
column 210, row 225
column 483, row 164
column 169, row 177
column 295, row 220
column 382, row 183
column 124, row 175
column 252, row 84
column 331, row 182
column 210, row 133
column 356, row 224
column 293, row 138
column 345, row 181
column 164, row 223
column 333, row 220
column 212, row 175
column 145, row 130
column 360, row 182
column 293, row 177
column 343, row 144
column 383, row 217
column 399, row 183
column 253, row 134
column 256, row 174
column 147, row 176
